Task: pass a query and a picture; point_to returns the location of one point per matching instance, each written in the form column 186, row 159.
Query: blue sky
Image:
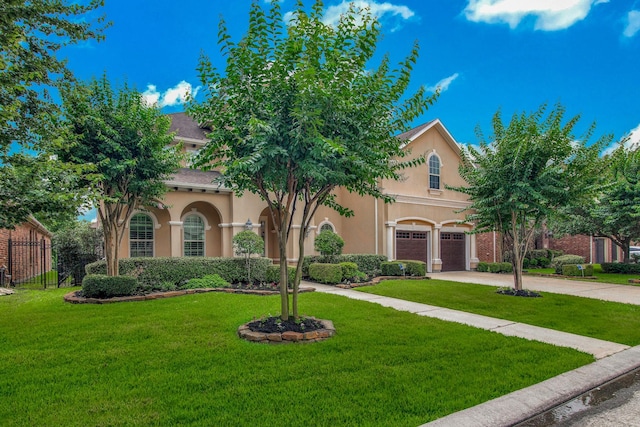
column 483, row 54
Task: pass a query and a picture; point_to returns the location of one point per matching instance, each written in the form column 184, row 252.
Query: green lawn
column 583, row 316
column 178, row 361
column 617, row 279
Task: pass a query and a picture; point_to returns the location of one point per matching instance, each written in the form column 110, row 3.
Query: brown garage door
column 411, row 245
column 452, row 251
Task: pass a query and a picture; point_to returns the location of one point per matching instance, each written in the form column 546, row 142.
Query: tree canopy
column 526, row 171
column 31, row 36
column 299, row 111
column 127, row 143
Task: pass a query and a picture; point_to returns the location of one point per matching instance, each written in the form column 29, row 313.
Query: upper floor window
column 193, row 236
column 141, row 236
column 434, row 172
column 328, row 227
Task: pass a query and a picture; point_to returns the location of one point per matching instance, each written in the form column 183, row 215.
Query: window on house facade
column 193, row 227
column 141, row 236
column 434, row 172
column 327, row 226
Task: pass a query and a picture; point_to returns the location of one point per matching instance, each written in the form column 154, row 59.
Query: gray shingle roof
column 186, row 127
column 406, row 136
column 195, row 178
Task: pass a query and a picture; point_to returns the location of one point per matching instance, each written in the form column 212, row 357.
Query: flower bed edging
column 327, row 331
column 73, row 297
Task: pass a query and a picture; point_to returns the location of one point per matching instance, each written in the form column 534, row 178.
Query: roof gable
column 415, row 133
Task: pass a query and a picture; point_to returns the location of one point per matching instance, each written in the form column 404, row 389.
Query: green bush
column 482, row 267
column 328, row 243
column 208, row 281
column 151, row 272
column 526, row 262
column 537, row 253
column 326, row 273
column 573, row 270
column 543, row 262
column 103, row 286
column 393, row 268
column 273, row 274
column 500, row 267
column 349, row 270
column 561, row 260
column 533, row 263
column 367, row 263
column 620, row 268
column 414, row 268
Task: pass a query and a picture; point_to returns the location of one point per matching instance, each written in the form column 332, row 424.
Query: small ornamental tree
column 127, row 142
column 328, row 243
column 299, row 111
column 247, row 243
column 528, row 170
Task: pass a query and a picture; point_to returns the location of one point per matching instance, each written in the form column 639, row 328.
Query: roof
column 186, row 127
column 192, row 178
column 411, row 135
column 408, row 135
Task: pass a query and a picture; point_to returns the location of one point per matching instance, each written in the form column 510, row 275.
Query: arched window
column 434, row 172
column 327, row 226
column 193, row 236
column 141, row 236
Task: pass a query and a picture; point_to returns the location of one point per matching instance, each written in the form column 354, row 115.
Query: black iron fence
column 37, row 263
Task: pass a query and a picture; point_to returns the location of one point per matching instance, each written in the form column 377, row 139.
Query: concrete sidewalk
column 613, row 359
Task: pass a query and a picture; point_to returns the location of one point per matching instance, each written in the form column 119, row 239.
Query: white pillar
column 435, row 243
column 391, row 238
column 176, row 238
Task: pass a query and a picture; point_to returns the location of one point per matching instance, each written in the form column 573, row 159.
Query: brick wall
column 27, row 260
column 486, row 247
column 574, row 245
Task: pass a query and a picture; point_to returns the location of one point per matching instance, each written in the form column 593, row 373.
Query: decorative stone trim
column 327, row 331
column 73, row 297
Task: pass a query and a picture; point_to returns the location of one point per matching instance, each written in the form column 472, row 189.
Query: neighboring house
column 25, row 252
column 594, row 250
column 200, row 218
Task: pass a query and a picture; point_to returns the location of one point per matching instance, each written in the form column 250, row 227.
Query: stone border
column 72, row 297
column 327, row 331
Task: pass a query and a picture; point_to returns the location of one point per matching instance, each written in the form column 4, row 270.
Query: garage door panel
column 411, row 245
column 453, row 251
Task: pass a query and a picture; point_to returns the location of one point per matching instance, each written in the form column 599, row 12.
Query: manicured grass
column 614, row 278
column 178, row 361
column 608, row 321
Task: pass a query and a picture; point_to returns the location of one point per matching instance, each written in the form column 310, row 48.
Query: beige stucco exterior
column 372, row 228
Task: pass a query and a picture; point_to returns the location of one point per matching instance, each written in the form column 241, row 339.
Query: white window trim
column 154, row 221
column 207, row 227
column 325, row 222
column 441, row 165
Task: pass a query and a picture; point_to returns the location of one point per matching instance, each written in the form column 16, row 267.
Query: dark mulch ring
column 519, row 292
column 276, row 324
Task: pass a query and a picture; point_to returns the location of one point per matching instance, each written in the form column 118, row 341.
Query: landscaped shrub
column 482, row 267
column 500, row 267
column 543, row 262
column 367, row 263
column 349, row 270
column 537, row 253
column 103, row 286
column 178, row 270
column 208, row 281
column 573, row 270
column 329, row 244
column 273, row 274
column 326, row 273
column 559, row 261
column 414, row 268
column 393, row 268
column 526, row 262
column 620, row 268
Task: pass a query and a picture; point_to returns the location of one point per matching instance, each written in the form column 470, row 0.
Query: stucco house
column 199, row 217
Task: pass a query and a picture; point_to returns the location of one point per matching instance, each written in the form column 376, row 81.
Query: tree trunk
column 296, row 280
column 111, row 250
column 284, row 273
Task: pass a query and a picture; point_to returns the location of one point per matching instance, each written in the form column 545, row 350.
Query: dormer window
column 434, row 172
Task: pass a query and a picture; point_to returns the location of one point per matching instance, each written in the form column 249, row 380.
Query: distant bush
column 620, row 268
column 103, row 286
column 561, row 260
column 349, row 270
column 414, row 268
column 326, row 273
column 573, row 270
column 273, row 274
column 482, row 267
column 499, row 267
column 208, row 281
column 367, row 263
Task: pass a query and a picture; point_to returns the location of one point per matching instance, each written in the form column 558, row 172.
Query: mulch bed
column 276, row 324
column 519, row 293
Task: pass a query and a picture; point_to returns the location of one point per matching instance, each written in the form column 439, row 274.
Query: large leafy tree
column 615, row 211
column 31, row 36
column 127, row 143
column 525, row 172
column 300, row 111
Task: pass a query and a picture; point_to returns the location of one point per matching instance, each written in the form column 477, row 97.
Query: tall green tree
column 127, row 143
column 614, row 212
column 526, row 171
column 31, row 35
column 299, row 111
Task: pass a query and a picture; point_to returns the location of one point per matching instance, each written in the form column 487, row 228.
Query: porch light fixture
column 248, row 225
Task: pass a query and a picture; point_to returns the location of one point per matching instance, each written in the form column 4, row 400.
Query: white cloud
column 443, row 84
column 176, row 95
column 633, row 23
column 549, row 15
column 379, row 10
column 632, row 139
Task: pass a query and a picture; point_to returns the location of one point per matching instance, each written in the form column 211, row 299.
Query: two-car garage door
column 414, row 245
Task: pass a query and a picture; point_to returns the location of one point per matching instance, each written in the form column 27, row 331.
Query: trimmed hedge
column 414, row 268
column 178, row 270
column 482, row 267
column 349, row 270
column 392, row 268
column 273, row 274
column 103, row 286
column 326, row 273
column 367, row 263
column 620, row 268
column 208, row 281
column 559, row 261
column 500, row 267
column 573, row 270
